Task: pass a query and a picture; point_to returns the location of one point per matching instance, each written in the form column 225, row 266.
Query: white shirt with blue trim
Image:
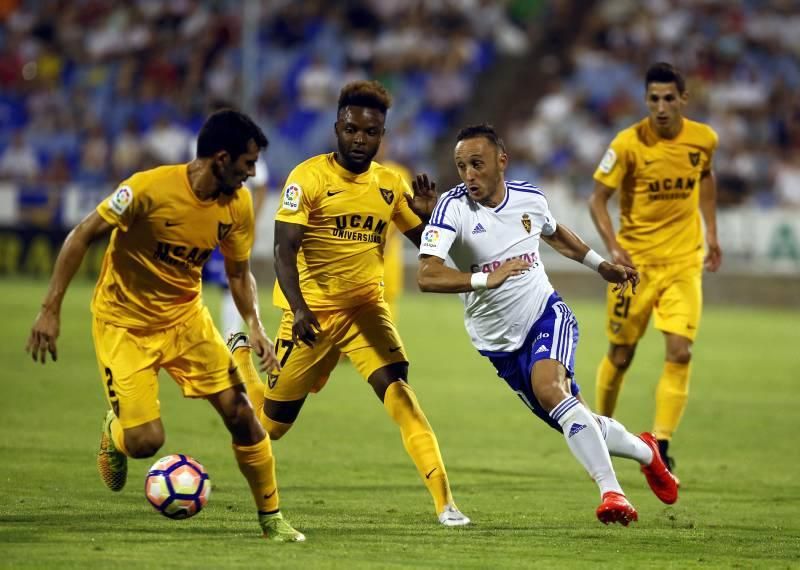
column 477, row 238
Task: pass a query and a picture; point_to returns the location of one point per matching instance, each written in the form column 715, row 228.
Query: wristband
column 478, row 281
column 592, row 260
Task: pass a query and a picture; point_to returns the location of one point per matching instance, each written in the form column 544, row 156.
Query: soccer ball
column 177, row 486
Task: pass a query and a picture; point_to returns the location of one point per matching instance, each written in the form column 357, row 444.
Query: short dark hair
column 663, row 72
column 231, row 131
column 370, row 94
column 482, row 130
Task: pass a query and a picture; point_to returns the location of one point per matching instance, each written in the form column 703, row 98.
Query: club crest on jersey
column 223, row 230
column 388, row 195
column 526, row 222
column 121, row 199
column 694, row 158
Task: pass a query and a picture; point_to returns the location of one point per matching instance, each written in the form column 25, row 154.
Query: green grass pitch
column 346, row 481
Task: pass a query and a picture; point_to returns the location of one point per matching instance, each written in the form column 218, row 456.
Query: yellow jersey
column 347, row 219
column 163, row 234
column 659, row 183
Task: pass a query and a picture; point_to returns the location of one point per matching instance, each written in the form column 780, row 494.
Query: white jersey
column 477, row 238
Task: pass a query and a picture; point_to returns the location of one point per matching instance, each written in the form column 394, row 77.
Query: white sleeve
column 442, row 230
column 436, row 241
column 549, row 224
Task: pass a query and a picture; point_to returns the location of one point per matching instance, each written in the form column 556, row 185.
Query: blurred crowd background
column 93, row 90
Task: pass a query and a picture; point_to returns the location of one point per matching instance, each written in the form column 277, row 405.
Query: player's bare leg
column 419, row 440
column 551, row 387
column 253, row 452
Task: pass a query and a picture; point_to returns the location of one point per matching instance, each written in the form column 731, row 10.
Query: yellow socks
column 608, row 386
column 672, row 393
column 419, row 440
column 252, row 382
column 118, row 436
column 258, row 466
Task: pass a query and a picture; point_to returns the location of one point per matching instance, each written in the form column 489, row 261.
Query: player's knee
column 621, row 355
column 143, row 447
column 144, row 440
column 680, row 355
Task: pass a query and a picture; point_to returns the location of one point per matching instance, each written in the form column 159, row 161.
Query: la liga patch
column 291, row 197
column 121, row 199
column 609, row 160
column 431, row 237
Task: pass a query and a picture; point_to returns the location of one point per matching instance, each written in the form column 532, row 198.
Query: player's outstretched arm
column 433, row 276
column 288, row 238
column 708, row 207
column 245, row 294
column 569, row 244
column 598, row 208
column 46, row 327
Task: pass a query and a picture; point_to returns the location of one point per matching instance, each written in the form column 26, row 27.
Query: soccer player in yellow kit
column 148, row 309
column 662, row 166
column 330, row 234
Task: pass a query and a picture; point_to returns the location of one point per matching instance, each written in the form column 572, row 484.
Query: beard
column 222, row 186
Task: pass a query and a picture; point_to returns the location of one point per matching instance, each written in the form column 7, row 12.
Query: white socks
column 622, row 443
column 586, row 442
column 231, row 319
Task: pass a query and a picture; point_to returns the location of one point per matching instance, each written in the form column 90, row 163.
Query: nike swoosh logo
column 170, row 224
column 334, row 193
column 648, row 162
column 275, row 490
column 394, row 348
column 428, row 475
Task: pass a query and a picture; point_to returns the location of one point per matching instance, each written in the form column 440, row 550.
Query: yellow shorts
column 365, row 334
column 672, row 291
column 193, row 353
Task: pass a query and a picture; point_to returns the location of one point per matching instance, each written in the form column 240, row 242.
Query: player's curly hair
column 231, row 131
column 482, row 130
column 663, row 72
column 370, row 94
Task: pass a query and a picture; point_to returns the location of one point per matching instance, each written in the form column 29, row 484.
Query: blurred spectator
column 317, row 85
column 167, row 141
column 18, row 162
column 94, row 156
column 128, row 151
column 787, row 180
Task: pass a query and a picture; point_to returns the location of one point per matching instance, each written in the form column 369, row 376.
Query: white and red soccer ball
column 177, row 486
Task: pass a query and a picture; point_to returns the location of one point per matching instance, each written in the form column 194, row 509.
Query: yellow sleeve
column 615, row 163
column 237, row 243
column 404, row 217
column 125, row 203
column 298, row 196
column 711, row 150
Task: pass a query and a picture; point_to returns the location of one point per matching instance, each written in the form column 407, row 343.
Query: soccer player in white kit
column 490, row 228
